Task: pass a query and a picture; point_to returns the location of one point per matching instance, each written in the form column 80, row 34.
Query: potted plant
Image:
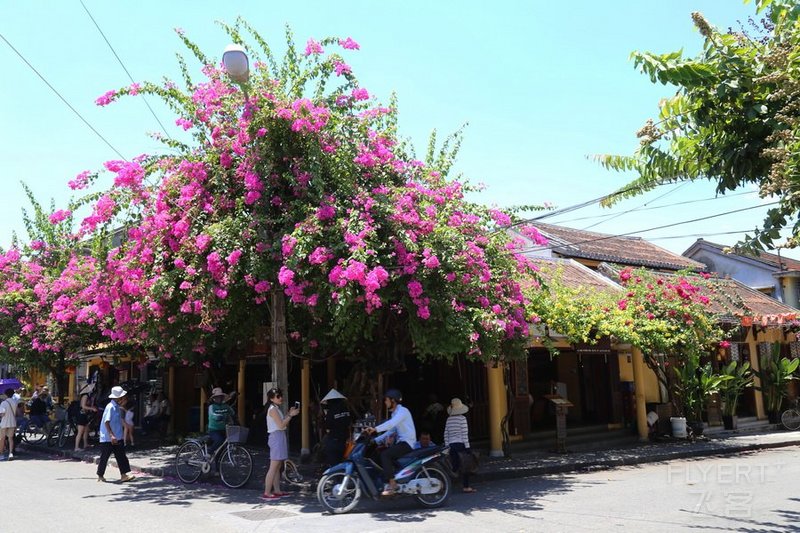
column 774, row 373
column 693, row 385
column 731, row 389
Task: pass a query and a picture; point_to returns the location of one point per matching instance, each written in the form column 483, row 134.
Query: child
column 127, row 427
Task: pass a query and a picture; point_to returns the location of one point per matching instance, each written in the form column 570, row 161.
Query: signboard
column 602, row 346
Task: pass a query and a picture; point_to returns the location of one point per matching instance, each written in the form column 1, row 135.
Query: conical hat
column 333, row 394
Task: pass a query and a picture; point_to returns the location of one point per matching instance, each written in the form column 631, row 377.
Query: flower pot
column 730, row 421
column 678, row 426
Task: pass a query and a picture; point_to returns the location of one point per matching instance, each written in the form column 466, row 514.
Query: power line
column 700, row 235
column 636, row 208
column 61, row 97
column 96, row 25
column 685, row 202
column 606, row 237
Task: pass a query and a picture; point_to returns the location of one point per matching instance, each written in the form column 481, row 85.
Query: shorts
column 82, row 419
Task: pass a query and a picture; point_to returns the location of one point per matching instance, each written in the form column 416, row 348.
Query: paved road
column 753, row 492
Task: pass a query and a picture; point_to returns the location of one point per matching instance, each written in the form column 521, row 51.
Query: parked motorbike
column 421, row 475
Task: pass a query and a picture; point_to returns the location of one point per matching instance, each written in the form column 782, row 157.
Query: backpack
column 73, row 409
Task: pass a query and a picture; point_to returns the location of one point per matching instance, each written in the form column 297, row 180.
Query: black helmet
column 394, row 394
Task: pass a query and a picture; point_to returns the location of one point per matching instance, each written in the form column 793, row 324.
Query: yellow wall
column 651, row 391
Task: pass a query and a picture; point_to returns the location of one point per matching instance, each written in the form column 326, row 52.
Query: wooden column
column 71, row 387
column 240, row 400
column 331, row 368
column 761, row 413
column 305, row 398
column 202, row 410
column 637, row 358
column 498, row 407
column 171, row 399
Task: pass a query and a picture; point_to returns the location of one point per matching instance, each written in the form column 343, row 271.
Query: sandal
column 469, row 489
column 269, row 496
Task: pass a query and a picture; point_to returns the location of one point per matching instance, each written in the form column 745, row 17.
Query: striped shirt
column 456, row 430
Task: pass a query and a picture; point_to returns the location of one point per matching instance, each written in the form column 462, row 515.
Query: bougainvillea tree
column 301, row 184
column 47, row 290
column 669, row 317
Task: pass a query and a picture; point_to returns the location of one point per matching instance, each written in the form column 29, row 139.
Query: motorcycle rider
column 402, row 422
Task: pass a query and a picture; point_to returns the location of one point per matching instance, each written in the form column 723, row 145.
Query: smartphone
column 297, row 405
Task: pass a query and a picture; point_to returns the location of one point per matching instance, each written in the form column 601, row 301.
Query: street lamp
column 236, row 64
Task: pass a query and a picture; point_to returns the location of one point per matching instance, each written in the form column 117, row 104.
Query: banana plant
column 774, row 374
column 740, row 378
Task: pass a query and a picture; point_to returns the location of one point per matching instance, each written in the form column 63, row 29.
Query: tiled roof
column 634, row 251
column 573, row 274
column 765, row 257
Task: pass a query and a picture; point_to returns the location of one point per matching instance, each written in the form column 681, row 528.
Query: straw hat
column 333, row 394
column 216, row 391
column 456, row 407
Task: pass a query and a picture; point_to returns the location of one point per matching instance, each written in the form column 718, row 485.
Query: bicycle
column 233, row 460
column 64, row 428
column 790, row 418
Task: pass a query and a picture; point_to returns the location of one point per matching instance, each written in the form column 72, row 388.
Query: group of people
column 400, row 428
column 398, row 435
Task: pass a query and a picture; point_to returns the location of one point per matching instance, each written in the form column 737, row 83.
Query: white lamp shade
column 236, row 64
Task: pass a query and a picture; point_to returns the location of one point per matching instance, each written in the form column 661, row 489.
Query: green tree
column 734, row 120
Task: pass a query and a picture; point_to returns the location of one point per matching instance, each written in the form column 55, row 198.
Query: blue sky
column 541, row 86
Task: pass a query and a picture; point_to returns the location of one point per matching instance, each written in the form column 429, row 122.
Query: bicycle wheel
column 290, row 473
column 235, row 466
column 189, row 462
column 791, row 419
column 69, row 430
column 55, row 431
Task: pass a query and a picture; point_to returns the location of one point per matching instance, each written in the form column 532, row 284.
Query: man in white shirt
column 403, row 424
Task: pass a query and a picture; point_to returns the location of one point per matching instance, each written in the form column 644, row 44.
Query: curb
column 605, row 464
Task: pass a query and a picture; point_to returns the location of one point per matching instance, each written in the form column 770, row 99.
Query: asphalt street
column 753, row 492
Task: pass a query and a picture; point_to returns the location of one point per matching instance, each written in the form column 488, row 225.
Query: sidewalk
column 158, row 460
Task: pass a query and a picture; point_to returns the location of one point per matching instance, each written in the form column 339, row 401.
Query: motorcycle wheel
column 349, row 498
column 434, row 473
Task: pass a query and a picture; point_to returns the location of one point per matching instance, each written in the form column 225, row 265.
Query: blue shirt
column 113, row 414
column 402, row 421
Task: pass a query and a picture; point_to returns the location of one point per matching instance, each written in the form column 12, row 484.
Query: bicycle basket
column 60, row 413
column 236, row 434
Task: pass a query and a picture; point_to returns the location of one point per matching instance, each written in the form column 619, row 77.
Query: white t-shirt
column 8, row 410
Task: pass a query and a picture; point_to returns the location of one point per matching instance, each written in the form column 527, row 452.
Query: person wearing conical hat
column 337, row 426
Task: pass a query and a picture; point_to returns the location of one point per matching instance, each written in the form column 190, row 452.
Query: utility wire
column 700, row 235
column 636, row 208
column 606, row 237
column 62, row 98
column 685, row 202
column 96, row 25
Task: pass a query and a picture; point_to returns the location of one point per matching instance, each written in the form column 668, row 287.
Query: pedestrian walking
column 278, row 443
column 8, row 424
column 111, row 436
column 456, row 436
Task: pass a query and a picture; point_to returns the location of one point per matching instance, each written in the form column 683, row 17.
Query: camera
column 297, row 405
